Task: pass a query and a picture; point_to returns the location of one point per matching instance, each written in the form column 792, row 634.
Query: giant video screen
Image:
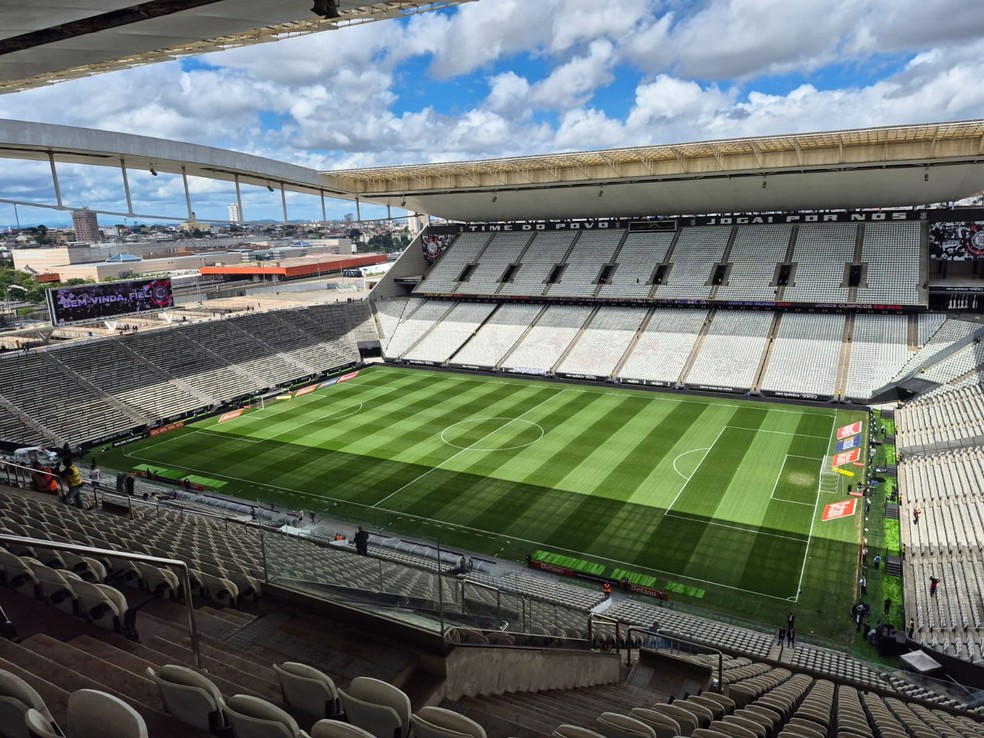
column 956, row 241
column 84, row 303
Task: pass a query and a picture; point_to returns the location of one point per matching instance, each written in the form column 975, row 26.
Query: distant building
column 349, row 217
column 234, row 215
column 86, row 226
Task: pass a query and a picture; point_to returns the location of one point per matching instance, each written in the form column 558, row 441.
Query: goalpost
column 829, row 477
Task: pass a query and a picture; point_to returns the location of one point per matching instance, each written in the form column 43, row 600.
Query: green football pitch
column 719, row 494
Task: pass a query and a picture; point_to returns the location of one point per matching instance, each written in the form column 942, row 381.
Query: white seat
column 190, row 697
column 17, row 697
column 252, row 717
column 87, row 568
column 219, row 590
column 95, row 714
column 616, row 725
column 37, row 726
column 380, row 721
column 663, row 725
column 436, row 722
column 338, row 729
column 17, row 572
column 101, row 604
column 157, row 579
column 308, row 690
column 378, row 692
column 55, row 586
column 574, row 731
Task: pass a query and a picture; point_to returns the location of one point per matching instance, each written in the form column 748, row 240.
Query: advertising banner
column 88, row 302
column 232, row 415
column 848, row 430
column 835, row 510
column 846, row 457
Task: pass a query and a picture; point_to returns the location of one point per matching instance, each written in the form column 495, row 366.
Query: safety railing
column 666, row 640
column 180, row 566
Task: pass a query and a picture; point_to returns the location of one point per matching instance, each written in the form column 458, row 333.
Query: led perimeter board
column 84, row 303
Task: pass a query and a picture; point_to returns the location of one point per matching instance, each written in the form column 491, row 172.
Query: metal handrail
column 671, row 635
column 592, row 616
column 498, row 594
column 181, row 566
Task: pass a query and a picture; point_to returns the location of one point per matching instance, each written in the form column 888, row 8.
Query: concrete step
column 137, row 689
column 68, row 678
column 216, row 663
column 142, row 655
column 207, row 621
column 54, row 697
column 497, row 725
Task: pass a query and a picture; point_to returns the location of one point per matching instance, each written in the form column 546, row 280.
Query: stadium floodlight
column 269, row 187
column 326, row 8
column 495, row 197
column 153, row 171
column 601, row 192
column 926, row 177
column 765, row 183
column 403, row 202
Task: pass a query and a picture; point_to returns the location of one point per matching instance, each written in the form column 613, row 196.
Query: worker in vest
column 42, row 479
column 73, row 481
column 608, row 590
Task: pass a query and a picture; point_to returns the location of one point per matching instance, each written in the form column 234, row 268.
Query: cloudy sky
column 506, row 77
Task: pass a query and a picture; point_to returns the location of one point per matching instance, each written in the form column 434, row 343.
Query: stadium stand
column 450, row 333
column 820, row 255
column 754, row 256
column 504, row 249
column 417, row 322
column 591, row 251
column 446, row 272
column 806, row 354
column 664, row 346
column 951, row 420
column 732, row 350
column 892, row 253
column 879, row 348
column 83, row 391
column 694, row 255
column 497, row 336
column 544, row 253
column 636, row 263
column 603, row 343
column 545, row 343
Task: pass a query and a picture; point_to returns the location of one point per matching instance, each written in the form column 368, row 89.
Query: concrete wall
column 474, row 670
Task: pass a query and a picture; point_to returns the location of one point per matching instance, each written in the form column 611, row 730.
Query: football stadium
column 680, row 440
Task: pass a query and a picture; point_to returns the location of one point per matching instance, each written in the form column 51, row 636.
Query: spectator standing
column 877, row 561
column 361, row 540
column 863, row 581
column 911, row 630
column 934, row 584
column 129, row 484
column 888, row 605
column 95, row 477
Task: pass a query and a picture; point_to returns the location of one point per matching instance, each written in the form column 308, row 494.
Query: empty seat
column 17, row 572
column 55, row 586
column 376, row 706
column 93, row 714
column 616, row 725
column 436, row 722
column 101, row 604
column 190, row 697
column 574, row 731
column 252, row 717
column 337, row 729
column 308, row 690
column 17, row 697
column 663, row 725
column 158, row 579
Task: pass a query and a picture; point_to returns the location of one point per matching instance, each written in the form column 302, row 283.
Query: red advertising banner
column 848, row 430
column 166, row 428
column 305, row 390
column 232, row 415
column 835, row 510
column 347, row 377
column 846, row 457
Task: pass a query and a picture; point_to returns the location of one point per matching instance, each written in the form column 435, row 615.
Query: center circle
column 478, row 434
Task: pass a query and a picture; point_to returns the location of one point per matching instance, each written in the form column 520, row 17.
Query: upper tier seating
column 821, row 253
column 696, row 252
column 805, row 354
column 444, row 275
column 949, row 420
column 503, row 250
column 892, row 253
column 641, row 252
column 546, row 250
column 592, row 251
column 754, row 255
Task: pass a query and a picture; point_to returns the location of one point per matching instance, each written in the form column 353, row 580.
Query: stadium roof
column 865, row 168
column 870, row 167
column 53, row 40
